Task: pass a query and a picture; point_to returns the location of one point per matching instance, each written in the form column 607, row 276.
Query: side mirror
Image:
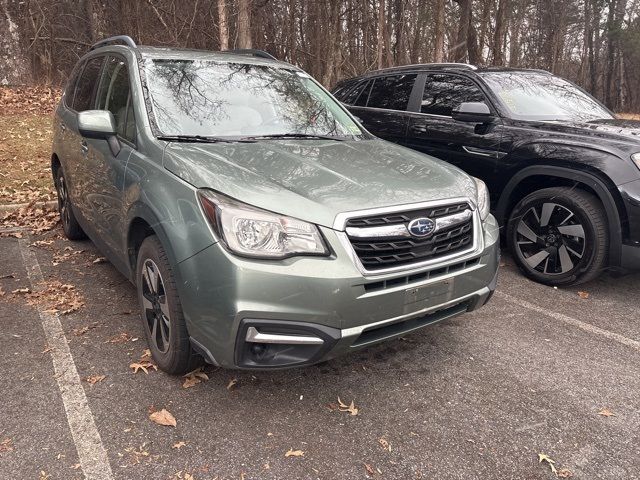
column 473, row 112
column 99, row 124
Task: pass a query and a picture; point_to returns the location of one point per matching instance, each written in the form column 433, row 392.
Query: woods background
column 595, row 43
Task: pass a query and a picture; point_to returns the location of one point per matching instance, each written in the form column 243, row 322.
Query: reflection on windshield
column 238, row 100
column 539, row 96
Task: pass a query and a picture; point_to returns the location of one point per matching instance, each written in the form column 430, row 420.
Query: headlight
column 253, row 232
column 636, row 159
column 483, row 202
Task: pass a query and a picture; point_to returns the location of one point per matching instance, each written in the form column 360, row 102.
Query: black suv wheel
column 558, row 236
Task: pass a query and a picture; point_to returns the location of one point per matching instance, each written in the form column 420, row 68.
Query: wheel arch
column 55, row 165
column 142, row 223
column 533, row 178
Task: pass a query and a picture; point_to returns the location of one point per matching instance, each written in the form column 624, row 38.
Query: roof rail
column 126, row 39
column 430, row 65
column 251, row 52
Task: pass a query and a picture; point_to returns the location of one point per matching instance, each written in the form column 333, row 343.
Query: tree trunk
column 438, row 54
column 381, row 34
column 497, row 51
column 15, row 65
column 223, row 25
column 244, row 24
column 459, row 52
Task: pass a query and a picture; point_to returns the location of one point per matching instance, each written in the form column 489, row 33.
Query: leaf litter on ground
column 163, row 417
column 192, row 379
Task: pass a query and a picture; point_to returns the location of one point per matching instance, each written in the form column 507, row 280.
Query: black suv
column 563, row 171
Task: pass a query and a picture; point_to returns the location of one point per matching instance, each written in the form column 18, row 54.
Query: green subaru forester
column 262, row 225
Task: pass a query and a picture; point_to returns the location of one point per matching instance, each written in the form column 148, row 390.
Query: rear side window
column 86, row 85
column 363, row 95
column 353, row 94
column 443, row 93
column 391, row 92
column 114, row 94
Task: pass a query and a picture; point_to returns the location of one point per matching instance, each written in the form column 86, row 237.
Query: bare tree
column 223, row 26
column 15, row 67
column 244, row 24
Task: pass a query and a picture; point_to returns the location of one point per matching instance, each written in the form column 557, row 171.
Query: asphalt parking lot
column 537, row 371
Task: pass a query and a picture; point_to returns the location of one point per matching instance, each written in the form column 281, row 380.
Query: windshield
column 539, row 96
column 220, row 99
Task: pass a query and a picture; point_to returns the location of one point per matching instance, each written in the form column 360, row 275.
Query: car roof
column 166, row 53
column 445, row 67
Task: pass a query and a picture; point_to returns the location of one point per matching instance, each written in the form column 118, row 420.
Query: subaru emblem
column 421, row 227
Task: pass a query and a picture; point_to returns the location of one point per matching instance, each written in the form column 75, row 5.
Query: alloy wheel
column 63, row 201
column 551, row 239
column 155, row 305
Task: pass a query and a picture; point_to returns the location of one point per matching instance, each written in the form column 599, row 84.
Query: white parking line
column 91, row 451
column 571, row 321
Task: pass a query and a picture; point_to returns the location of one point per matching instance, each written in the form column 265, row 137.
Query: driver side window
column 443, row 93
column 114, row 95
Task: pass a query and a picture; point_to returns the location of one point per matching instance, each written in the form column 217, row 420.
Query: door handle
column 84, row 147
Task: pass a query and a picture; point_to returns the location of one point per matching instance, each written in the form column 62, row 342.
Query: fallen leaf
column 545, row 458
column 384, row 443
column 18, row 291
column 163, row 417
column 178, row 445
column 351, row 408
column 99, row 260
column 123, row 337
column 565, row 473
column 605, row 412
column 370, row 471
column 144, row 363
column 583, row 295
column 93, row 379
column 294, row 453
column 1, row 292
column 232, row 383
column 194, row 378
column 6, row 445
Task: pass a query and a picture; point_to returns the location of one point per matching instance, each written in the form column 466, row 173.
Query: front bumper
column 224, row 296
column 630, row 252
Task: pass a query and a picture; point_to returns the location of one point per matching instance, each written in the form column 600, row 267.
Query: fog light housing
column 281, row 344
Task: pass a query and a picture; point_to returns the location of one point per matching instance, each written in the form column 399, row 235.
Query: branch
column 59, row 39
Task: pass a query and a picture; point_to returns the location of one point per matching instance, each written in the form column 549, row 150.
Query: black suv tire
column 559, row 236
column 161, row 311
column 70, row 226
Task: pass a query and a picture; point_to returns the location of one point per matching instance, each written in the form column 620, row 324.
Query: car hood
column 616, row 129
column 314, row 180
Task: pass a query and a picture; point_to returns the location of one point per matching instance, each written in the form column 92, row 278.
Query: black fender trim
column 142, row 211
column 598, row 186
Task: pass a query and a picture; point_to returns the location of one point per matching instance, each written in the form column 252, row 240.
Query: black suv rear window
column 391, row 92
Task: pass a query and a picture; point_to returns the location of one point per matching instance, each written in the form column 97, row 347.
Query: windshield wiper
column 202, row 139
column 295, row 135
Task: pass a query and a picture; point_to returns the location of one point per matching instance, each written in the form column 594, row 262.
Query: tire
column 70, row 226
column 559, row 236
column 161, row 311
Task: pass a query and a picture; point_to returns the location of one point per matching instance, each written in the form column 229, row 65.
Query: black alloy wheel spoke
column 156, row 306
column 551, row 238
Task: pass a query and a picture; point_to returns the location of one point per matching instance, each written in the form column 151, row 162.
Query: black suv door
column 381, row 104
column 473, row 147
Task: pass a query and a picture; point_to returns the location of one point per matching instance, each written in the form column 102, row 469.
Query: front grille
column 406, row 217
column 388, row 252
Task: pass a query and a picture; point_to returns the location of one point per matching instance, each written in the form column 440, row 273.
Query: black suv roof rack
column 251, row 52
column 126, row 39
